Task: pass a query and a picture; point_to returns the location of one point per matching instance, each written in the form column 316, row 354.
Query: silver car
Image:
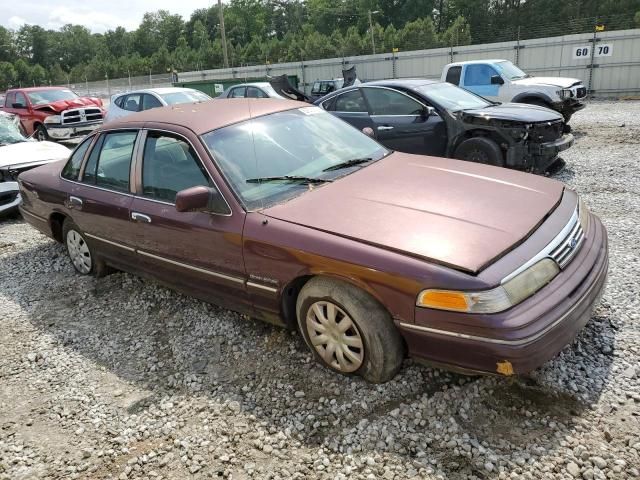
column 124, row 104
column 250, row 90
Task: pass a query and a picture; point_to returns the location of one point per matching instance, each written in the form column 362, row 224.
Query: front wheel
column 480, row 150
column 78, row 248
column 41, row 133
column 348, row 331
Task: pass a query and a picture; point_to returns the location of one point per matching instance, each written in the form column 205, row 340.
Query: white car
column 502, row 81
column 17, row 154
column 124, row 104
column 251, row 90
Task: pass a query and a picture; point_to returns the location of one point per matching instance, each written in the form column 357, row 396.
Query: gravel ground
column 120, row 378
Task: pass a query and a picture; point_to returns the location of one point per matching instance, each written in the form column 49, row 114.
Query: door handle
column 140, row 217
column 385, row 127
column 74, row 202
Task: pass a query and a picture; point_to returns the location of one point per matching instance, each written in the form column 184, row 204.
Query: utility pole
column 373, row 41
column 224, row 36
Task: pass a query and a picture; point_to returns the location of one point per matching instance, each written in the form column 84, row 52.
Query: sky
column 97, row 15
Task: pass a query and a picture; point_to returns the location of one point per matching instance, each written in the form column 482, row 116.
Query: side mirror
column 18, row 105
column 497, row 80
column 368, row 131
column 201, row 199
column 428, row 111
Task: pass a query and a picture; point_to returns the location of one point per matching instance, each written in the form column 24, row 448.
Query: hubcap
column 41, row 136
column 79, row 251
column 478, row 156
column 335, row 336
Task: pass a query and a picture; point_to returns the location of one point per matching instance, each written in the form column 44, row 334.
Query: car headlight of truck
column 564, row 93
column 500, row 298
column 53, row 119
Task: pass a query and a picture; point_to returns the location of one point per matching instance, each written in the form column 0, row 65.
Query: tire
column 368, row 345
column 480, row 150
column 41, row 133
column 567, row 117
column 79, row 251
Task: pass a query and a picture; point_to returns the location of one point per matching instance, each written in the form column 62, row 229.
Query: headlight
column 564, row 93
column 52, row 119
column 583, row 214
column 510, row 293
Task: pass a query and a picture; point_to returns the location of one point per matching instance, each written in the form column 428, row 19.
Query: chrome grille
column 81, row 115
column 569, row 246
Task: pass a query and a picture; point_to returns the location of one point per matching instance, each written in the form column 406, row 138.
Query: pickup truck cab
column 54, row 113
column 502, row 81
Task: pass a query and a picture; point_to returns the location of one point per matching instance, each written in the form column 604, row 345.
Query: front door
column 350, row 107
column 195, row 251
column 477, row 79
column 401, row 122
column 99, row 202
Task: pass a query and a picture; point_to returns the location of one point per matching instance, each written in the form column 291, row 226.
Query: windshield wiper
column 290, row 178
column 347, row 164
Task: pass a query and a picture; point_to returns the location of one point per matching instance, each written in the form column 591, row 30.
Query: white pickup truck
column 502, row 81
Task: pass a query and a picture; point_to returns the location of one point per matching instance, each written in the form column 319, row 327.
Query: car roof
column 202, row 117
column 33, row 89
column 403, row 82
column 252, row 84
column 160, row 90
column 469, row 62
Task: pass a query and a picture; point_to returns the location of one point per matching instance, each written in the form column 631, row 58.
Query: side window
column 132, row 102
column 11, row 98
column 389, row 102
column 478, row 74
column 352, row 101
column 120, row 101
column 109, row 164
column 21, row 99
column 72, row 168
column 253, row 92
column 169, row 165
column 237, row 92
column 453, row 75
column 149, row 102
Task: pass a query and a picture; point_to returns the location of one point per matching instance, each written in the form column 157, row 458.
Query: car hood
column 460, row 214
column 561, row 82
column 514, row 111
column 62, row 105
column 30, row 152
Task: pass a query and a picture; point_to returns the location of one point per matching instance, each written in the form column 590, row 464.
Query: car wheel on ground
column 41, row 133
column 348, row 331
column 480, row 150
column 78, row 248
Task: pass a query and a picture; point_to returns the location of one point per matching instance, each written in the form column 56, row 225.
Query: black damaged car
column 437, row 118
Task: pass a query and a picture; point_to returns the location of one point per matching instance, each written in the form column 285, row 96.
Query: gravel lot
column 121, row 378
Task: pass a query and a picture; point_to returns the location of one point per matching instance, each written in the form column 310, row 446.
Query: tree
column 459, row 33
column 7, row 75
column 418, row 35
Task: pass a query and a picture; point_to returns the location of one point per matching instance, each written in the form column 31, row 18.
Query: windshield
column 510, row 71
column 451, row 97
column 43, row 97
column 300, row 143
column 10, row 130
column 187, row 96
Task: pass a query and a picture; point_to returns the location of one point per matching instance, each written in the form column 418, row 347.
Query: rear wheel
column 348, row 331
column 480, row 150
column 41, row 133
column 78, row 248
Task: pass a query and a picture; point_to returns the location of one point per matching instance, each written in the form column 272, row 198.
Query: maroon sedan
column 277, row 210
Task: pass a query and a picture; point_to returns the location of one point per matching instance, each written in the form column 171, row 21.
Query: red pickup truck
column 54, row 113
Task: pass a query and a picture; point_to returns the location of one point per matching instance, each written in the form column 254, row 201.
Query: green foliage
column 271, row 31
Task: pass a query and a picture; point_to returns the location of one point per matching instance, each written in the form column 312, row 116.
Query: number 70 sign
column 602, row 50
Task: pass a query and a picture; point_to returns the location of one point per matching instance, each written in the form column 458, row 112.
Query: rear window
column 453, row 75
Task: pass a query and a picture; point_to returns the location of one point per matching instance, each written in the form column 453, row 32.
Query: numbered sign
column 603, row 50
column 582, row 52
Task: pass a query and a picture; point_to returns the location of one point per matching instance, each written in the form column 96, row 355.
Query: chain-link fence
column 104, row 89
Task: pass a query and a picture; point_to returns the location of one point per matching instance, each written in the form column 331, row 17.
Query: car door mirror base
column 497, row 80
column 201, row 199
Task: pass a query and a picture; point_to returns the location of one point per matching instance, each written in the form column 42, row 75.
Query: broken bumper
column 65, row 132
column 9, row 198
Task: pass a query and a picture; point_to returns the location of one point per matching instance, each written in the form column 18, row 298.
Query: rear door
column 197, row 250
column 401, row 122
column 100, row 200
column 351, row 107
column 477, row 79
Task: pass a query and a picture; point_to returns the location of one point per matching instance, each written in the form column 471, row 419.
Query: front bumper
column 9, row 198
column 538, row 157
column 527, row 335
column 569, row 106
column 65, row 132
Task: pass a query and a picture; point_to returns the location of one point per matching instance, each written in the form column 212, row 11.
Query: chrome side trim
column 115, row 244
column 262, row 287
column 37, row 217
column 191, row 267
column 497, row 341
column 546, row 251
